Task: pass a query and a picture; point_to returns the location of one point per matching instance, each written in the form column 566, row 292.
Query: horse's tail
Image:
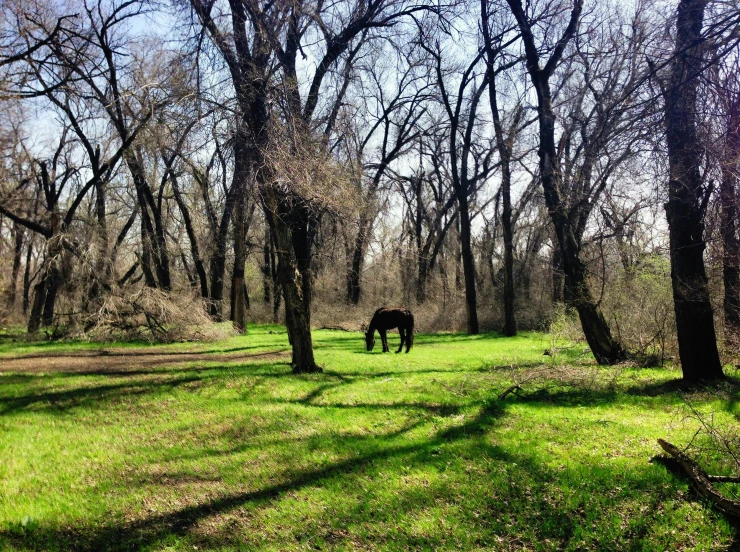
column 410, row 333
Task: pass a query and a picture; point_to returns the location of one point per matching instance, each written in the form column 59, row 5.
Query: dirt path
column 125, row 361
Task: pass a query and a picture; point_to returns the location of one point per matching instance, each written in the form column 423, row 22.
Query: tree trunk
column 17, row 258
column 604, row 347
column 728, row 225
column 354, row 289
column 238, row 305
column 505, row 147
column 45, row 291
column 27, row 277
column 39, row 298
column 152, row 226
column 266, row 272
column 297, row 305
column 217, row 262
column 509, row 318
column 687, row 199
column 468, row 265
column 192, row 237
column 557, row 274
column 730, row 252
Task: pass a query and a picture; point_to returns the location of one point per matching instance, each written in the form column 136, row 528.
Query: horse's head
column 370, row 340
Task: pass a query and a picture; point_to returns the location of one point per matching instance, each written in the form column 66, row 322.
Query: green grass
column 380, row 452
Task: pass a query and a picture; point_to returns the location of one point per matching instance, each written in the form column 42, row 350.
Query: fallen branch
column 702, row 481
column 512, row 389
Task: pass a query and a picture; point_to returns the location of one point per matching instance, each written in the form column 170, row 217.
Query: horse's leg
column 409, row 337
column 384, row 340
column 403, row 338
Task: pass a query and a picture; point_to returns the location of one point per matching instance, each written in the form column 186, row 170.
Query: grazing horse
column 386, row 319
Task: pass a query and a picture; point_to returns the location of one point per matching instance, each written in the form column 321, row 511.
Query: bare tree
column 264, row 41
column 605, row 348
column 391, row 124
column 687, row 201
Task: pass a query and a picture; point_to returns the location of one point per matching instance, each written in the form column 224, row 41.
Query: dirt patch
column 126, row 361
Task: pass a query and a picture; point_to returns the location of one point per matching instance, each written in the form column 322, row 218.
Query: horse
column 386, row 319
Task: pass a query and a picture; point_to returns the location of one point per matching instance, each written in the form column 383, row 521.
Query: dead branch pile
column 152, row 315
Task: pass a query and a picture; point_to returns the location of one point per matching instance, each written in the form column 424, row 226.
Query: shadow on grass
column 519, row 508
column 151, row 530
column 587, row 394
column 61, row 401
column 123, row 352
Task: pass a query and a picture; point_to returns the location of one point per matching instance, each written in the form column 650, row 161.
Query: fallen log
column 702, row 481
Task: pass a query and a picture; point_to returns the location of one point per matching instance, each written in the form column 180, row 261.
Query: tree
column 389, row 126
column 470, row 161
column 605, row 348
column 494, row 47
column 263, row 44
column 687, row 201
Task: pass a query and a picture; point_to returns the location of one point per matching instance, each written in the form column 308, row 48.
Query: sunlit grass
column 381, row 451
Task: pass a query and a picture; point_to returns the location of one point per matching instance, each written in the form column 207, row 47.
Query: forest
column 203, row 202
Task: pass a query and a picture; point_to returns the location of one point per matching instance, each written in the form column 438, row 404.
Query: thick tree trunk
column 302, row 233
column 558, row 276
column 297, row 305
column 730, row 252
column 468, row 263
column 217, row 262
column 39, row 298
column 45, row 291
column 697, row 343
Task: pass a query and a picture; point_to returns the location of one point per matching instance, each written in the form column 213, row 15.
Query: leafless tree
column 688, row 197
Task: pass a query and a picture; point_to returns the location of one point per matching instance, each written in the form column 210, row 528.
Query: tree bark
column 238, row 305
column 687, row 201
column 557, row 275
column 266, row 272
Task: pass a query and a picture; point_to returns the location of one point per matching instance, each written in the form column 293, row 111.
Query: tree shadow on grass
column 519, row 509
column 152, row 529
column 64, row 400
column 587, row 394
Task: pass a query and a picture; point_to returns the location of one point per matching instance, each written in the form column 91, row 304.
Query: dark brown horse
column 386, row 319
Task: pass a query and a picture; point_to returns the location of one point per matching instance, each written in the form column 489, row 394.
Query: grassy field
column 218, row 446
